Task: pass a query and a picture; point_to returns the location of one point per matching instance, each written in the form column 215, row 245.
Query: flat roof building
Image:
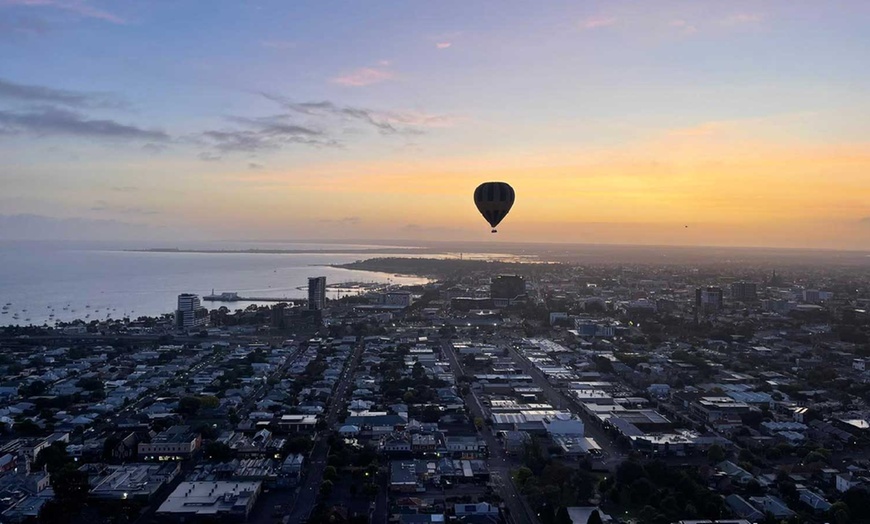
column 211, row 500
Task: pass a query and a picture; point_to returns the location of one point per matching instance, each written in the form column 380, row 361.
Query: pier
column 234, row 297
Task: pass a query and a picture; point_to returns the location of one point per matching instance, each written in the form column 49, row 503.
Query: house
column 845, row 482
column 742, row 508
column 481, row 508
column 814, row 500
column 737, row 474
column 773, row 505
column 403, row 477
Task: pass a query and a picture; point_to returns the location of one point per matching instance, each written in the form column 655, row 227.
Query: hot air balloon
column 494, row 200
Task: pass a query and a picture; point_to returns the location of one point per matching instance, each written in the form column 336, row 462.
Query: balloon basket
column 494, row 231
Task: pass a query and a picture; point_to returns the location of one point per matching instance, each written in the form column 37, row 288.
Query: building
column 190, row 313
column 316, row 293
column 177, row 442
column 507, row 287
column 396, row 298
column 744, row 291
column 708, row 300
column 133, row 481
column 211, row 500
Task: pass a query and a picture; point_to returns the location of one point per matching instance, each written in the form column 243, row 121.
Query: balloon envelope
column 494, row 200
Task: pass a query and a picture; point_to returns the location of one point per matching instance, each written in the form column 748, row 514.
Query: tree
column 716, row 454
column 27, row 427
column 594, row 518
column 330, row 473
column 189, row 406
column 218, row 452
column 54, row 457
column 326, row 488
column 70, row 484
column 522, row 475
column 562, row 516
column 209, row 402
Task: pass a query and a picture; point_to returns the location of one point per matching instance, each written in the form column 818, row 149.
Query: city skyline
column 701, row 123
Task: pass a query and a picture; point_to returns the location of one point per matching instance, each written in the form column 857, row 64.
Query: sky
column 740, row 123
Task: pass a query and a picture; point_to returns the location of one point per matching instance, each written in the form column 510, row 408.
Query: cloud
column 265, row 133
column 39, row 94
column 124, row 189
column 52, row 121
column 103, row 206
column 207, row 156
column 443, row 45
column 153, row 148
column 743, row 19
column 385, row 122
column 278, row 44
column 27, row 26
column 365, row 76
column 684, row 26
column 595, row 22
column 342, row 221
column 78, row 7
column 254, row 165
column 865, row 221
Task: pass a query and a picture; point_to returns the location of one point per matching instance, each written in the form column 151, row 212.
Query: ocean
column 96, row 281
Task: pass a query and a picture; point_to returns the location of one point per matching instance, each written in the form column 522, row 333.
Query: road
column 306, row 497
column 498, row 462
column 558, row 399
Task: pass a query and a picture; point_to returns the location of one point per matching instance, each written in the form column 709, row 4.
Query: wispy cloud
column 124, row 189
column 684, row 26
column 385, row 122
column 278, row 44
column 21, row 26
column 366, row 76
column 254, row 165
column 595, row 22
column 341, row 221
column 739, row 19
column 316, row 124
column 52, row 121
column 77, row 7
column 104, row 206
column 40, row 94
column 264, row 133
column 443, row 45
column 865, row 221
column 207, row 156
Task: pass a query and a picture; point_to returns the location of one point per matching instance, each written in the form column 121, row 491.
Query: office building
column 507, row 287
column 190, row 313
column 177, row 442
column 316, row 293
column 744, row 291
column 708, row 300
column 213, row 501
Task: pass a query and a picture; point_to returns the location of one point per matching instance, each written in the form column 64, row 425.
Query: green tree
column 189, row 406
column 716, row 454
column 218, row 452
column 594, row 518
column 54, row 457
column 326, row 488
column 562, row 516
column 209, row 402
column 330, row 473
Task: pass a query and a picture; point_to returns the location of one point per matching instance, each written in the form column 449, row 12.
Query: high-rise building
column 507, row 287
column 744, row 291
column 708, row 300
column 316, row 293
column 190, row 312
